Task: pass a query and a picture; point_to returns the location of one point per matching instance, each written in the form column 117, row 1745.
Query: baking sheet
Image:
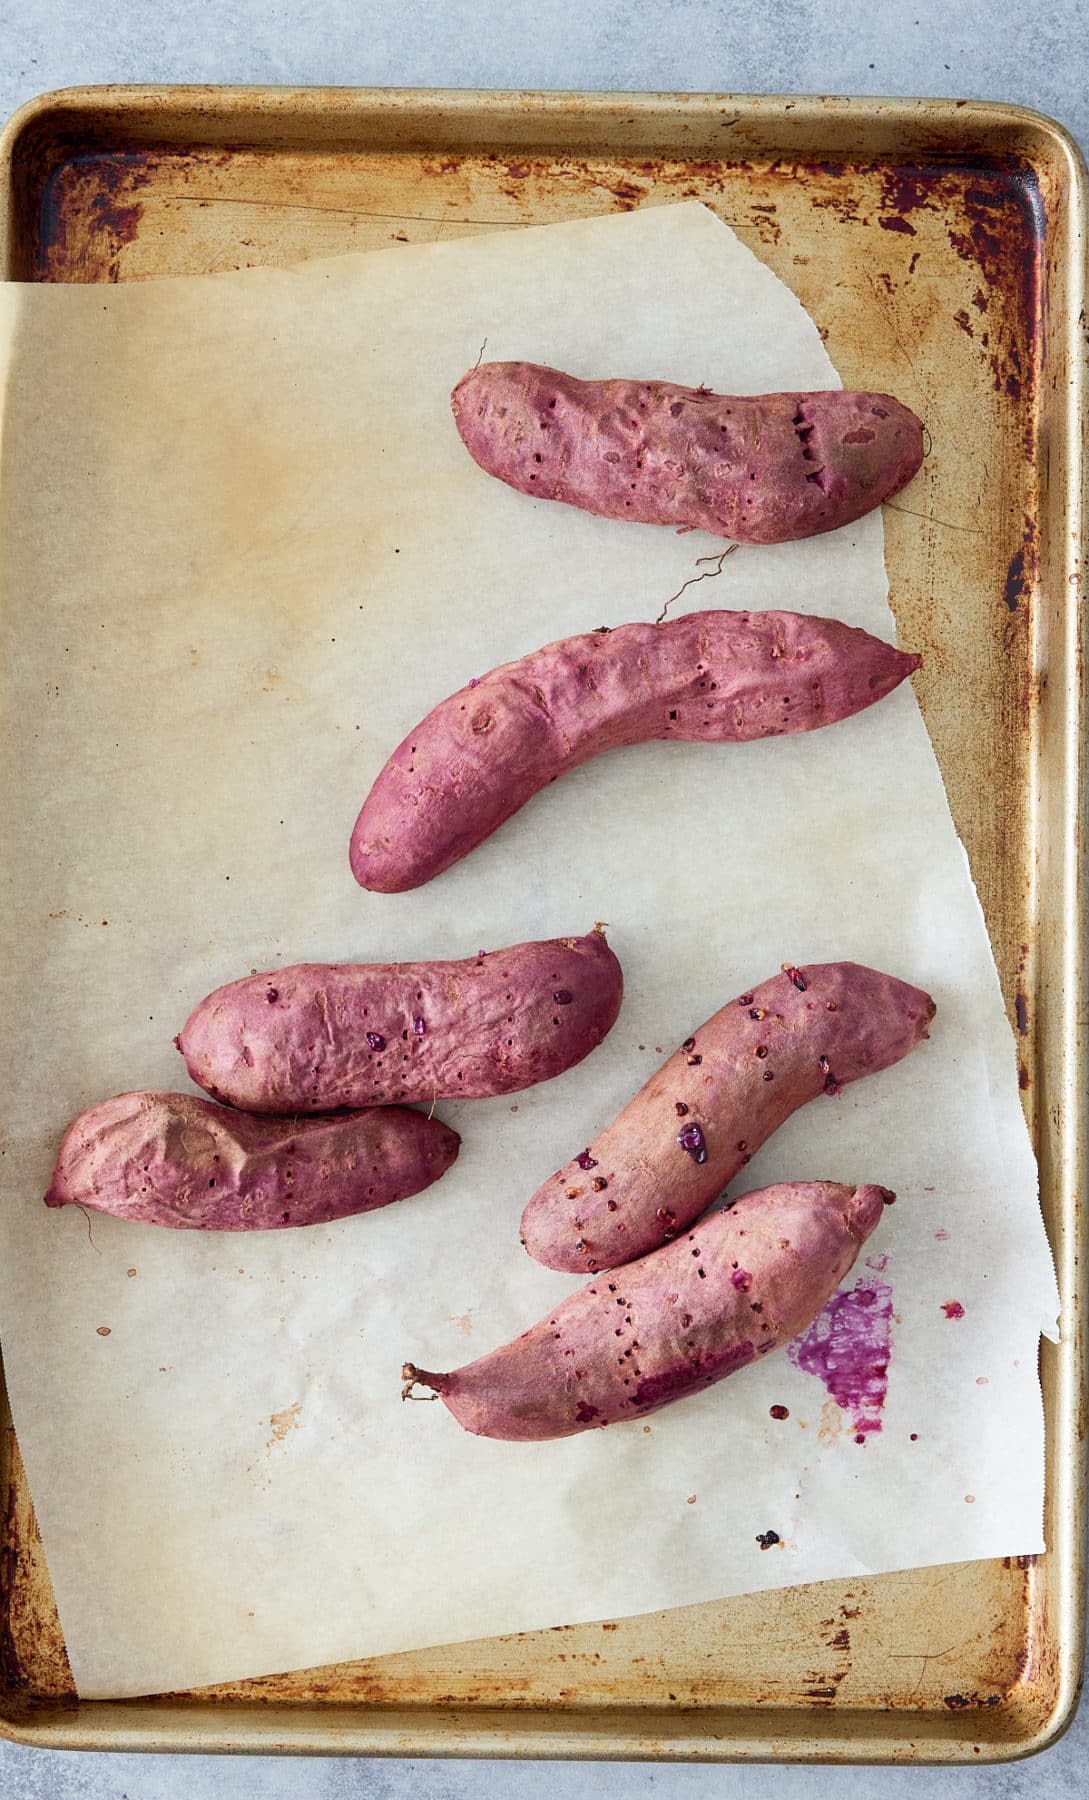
column 260, row 515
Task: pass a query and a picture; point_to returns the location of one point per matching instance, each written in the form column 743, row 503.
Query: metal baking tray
column 940, row 246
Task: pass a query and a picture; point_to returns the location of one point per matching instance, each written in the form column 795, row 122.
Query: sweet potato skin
column 710, row 677
column 177, row 1160
column 740, row 1284
column 698, row 1120
column 760, row 469
column 319, row 1037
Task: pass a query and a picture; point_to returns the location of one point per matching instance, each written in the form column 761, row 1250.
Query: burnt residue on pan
column 534, row 181
column 1021, row 570
column 957, row 1702
column 1003, row 235
column 93, row 204
column 993, row 218
column 90, row 209
column 34, row 1667
column 11, row 1670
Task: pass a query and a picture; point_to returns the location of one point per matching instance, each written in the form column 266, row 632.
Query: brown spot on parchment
column 283, row 1422
column 831, row 1424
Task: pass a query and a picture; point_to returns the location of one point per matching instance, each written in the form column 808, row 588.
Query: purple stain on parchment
column 878, row 1263
column 848, row 1347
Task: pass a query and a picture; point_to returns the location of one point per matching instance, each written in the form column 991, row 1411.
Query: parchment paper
column 243, row 550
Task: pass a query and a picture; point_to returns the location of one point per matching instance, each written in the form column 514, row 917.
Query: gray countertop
column 1031, row 53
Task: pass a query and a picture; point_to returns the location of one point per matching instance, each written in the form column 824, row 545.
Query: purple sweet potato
column 174, row 1159
column 761, row 469
column 740, row 1284
column 706, row 1111
column 320, row 1036
column 708, row 677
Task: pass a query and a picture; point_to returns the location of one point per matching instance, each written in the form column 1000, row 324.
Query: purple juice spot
column 941, row 1235
column 584, row 1412
column 848, row 1347
column 952, row 1309
column 376, row 1040
column 878, row 1263
column 692, row 1140
column 474, row 681
column 418, row 1027
column 741, row 1280
column 585, row 1160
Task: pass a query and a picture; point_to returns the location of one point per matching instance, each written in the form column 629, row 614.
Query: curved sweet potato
column 710, row 677
column 740, row 1284
column 761, row 469
column 174, row 1159
column 706, row 1111
column 320, row 1036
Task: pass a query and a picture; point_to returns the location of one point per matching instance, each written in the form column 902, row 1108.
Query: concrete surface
column 1033, row 53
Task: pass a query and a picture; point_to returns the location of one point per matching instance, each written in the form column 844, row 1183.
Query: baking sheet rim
column 389, row 1730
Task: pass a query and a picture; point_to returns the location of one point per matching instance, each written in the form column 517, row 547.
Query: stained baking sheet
column 588, row 183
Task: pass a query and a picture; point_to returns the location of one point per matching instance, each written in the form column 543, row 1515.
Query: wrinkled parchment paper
column 243, row 550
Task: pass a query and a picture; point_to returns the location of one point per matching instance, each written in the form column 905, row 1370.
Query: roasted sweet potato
column 761, row 469
column 710, row 677
column 320, row 1036
column 740, row 1284
column 174, row 1159
column 705, row 1112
